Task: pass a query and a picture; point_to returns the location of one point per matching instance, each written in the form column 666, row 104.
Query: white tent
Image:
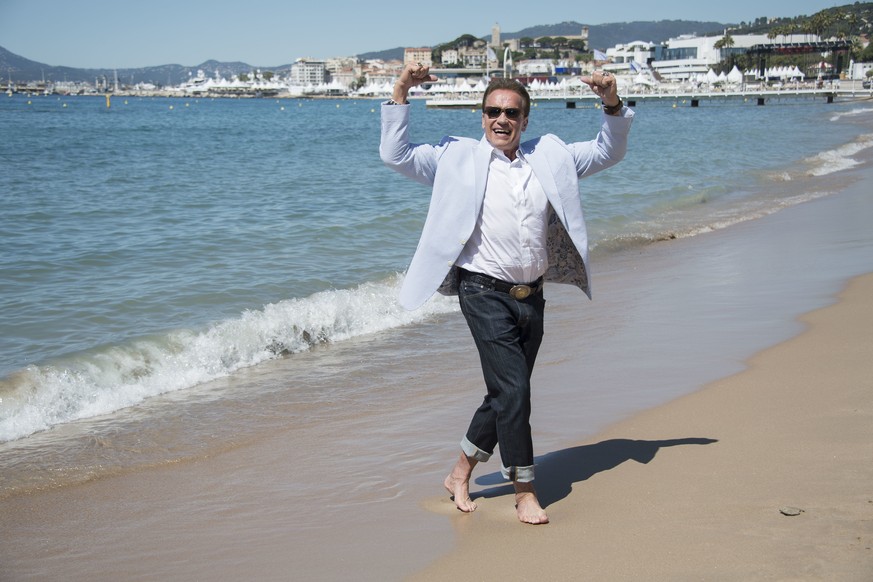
column 711, row 77
column 735, row 76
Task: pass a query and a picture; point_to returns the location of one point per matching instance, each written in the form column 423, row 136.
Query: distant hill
column 604, row 36
column 20, row 69
column 385, row 55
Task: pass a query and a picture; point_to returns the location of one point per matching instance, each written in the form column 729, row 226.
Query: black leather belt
column 514, row 290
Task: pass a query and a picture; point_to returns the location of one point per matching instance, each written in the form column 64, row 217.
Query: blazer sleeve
column 607, row 148
column 416, row 161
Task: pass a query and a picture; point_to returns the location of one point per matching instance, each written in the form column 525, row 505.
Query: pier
column 676, row 99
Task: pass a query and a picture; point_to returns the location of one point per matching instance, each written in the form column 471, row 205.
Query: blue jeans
column 508, row 334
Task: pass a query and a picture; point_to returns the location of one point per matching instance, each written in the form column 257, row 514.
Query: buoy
column 282, row 108
column 107, row 101
column 171, row 107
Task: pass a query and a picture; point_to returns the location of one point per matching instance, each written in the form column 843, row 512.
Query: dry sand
column 693, row 490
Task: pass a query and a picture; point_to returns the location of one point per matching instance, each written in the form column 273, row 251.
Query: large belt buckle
column 519, row 292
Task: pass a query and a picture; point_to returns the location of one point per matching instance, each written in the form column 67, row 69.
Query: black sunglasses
column 494, row 112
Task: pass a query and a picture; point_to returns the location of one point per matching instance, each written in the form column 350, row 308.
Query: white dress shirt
column 509, row 240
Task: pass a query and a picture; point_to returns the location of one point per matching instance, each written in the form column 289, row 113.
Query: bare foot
column 458, row 483
column 527, row 505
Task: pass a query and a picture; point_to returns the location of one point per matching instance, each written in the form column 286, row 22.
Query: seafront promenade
column 676, row 98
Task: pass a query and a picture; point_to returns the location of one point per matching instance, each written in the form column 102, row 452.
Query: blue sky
column 122, row 34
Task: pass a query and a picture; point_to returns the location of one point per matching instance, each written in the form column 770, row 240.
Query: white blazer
column 457, row 169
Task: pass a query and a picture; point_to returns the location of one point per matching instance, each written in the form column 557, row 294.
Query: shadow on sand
column 557, row 471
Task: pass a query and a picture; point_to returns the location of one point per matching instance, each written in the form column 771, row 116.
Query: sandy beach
column 765, row 475
column 714, row 383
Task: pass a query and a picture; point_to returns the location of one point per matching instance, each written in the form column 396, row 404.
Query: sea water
column 166, row 262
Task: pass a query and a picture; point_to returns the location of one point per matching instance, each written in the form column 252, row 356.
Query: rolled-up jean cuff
column 520, row 474
column 473, row 451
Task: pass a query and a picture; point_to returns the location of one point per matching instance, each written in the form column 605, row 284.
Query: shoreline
column 707, row 486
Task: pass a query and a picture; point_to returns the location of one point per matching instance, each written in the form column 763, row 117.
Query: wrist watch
column 393, row 102
column 612, row 109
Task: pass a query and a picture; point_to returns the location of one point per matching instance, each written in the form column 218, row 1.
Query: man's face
column 503, row 132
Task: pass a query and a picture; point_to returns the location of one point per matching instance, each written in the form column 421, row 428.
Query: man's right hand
column 412, row 75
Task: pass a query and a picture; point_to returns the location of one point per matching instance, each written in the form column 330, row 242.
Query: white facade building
column 535, row 67
column 858, row 71
column 450, row 57
column 687, row 56
column 308, row 72
column 622, row 55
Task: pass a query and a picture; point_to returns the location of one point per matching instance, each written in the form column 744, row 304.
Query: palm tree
column 726, row 42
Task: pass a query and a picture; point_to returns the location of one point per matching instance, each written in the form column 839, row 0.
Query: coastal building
column 858, row 71
column 308, row 72
column 497, row 44
column 381, row 73
column 624, row 58
column 547, row 67
column 581, row 40
column 688, row 56
column 536, row 67
column 421, row 55
column 450, row 57
column 475, row 56
column 344, row 71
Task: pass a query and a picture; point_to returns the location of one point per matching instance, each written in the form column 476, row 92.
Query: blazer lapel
column 482, row 159
column 544, row 172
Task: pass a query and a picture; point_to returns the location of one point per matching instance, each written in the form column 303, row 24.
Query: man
column 504, row 216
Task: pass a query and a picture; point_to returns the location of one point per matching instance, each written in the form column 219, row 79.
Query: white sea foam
column 87, row 385
column 838, row 159
column 852, row 113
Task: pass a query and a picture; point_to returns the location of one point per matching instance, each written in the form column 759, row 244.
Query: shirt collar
column 498, row 153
